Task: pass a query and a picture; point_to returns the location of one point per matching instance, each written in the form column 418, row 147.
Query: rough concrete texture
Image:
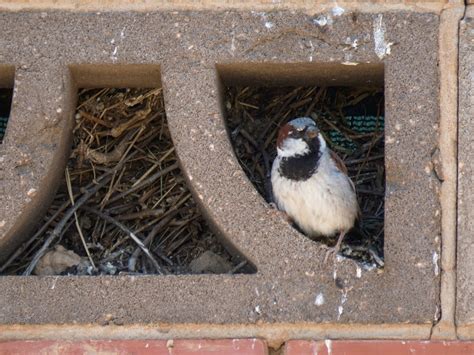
column 257, row 5
column 465, row 256
column 187, row 45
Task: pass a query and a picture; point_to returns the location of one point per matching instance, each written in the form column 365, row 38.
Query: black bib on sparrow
column 301, row 167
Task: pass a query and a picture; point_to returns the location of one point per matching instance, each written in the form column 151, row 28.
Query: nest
column 123, row 206
column 352, row 122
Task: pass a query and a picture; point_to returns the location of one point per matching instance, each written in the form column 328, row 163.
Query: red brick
column 368, row 347
column 155, row 347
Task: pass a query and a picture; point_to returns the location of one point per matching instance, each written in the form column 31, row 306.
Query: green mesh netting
column 358, row 124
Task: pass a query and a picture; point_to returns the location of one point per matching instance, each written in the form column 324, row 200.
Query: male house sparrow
column 310, row 182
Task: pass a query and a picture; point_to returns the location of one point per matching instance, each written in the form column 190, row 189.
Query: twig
column 376, row 257
column 266, row 163
column 59, row 227
column 141, row 214
column 43, row 228
column 111, row 157
column 362, row 160
column 78, row 226
column 172, row 212
column 148, row 172
column 132, row 235
column 145, row 182
column 237, row 267
column 94, row 119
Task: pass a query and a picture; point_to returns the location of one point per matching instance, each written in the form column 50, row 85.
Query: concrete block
column 195, row 51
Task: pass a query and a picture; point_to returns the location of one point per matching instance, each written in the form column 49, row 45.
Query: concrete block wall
column 465, row 260
column 191, row 49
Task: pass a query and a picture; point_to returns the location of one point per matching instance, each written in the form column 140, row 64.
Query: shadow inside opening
column 351, row 120
column 6, row 95
column 140, row 217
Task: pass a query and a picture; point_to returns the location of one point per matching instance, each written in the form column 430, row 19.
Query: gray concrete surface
column 465, row 255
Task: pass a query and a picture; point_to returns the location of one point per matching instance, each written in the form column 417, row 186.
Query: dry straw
column 123, row 204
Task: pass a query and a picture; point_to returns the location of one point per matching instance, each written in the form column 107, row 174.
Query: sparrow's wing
column 341, row 166
column 338, row 161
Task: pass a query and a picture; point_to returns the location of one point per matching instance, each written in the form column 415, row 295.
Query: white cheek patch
column 292, row 147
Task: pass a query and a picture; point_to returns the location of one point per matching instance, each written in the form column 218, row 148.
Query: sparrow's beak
column 311, row 134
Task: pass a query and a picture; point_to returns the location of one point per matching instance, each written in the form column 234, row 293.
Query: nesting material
column 209, row 262
column 352, row 122
column 123, row 206
column 56, row 261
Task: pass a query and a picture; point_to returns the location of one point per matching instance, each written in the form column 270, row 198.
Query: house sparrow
column 310, row 182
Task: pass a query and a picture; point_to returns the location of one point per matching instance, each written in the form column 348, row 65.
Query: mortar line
column 274, row 334
column 448, row 101
column 462, row 332
column 465, row 332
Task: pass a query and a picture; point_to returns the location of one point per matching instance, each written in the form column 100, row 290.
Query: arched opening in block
column 347, row 105
column 133, row 213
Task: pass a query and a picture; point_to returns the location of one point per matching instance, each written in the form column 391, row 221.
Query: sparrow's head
column 299, row 137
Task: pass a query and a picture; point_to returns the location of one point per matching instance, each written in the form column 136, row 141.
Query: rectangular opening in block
column 6, row 95
column 123, row 207
column 300, row 109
